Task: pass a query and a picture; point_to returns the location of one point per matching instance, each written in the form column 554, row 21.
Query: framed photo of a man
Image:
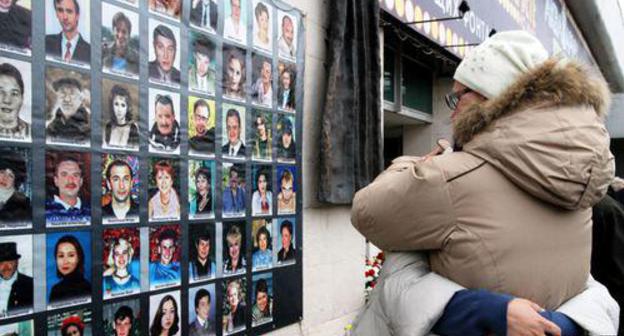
column 202, row 120
column 68, row 108
column 234, row 305
column 262, row 233
column 164, row 62
column 286, row 89
column 262, row 298
column 202, row 252
column 164, row 202
column 120, row 115
column 22, row 328
column 15, row 87
column 68, row 268
column 16, row 26
column 121, row 259
column 286, row 249
column 15, row 188
column 68, row 192
column 234, row 248
column 204, row 15
column 122, row 318
column 120, row 189
column 171, row 9
column 287, row 41
column 261, row 137
column 262, row 88
column 263, row 25
column 68, row 32
column 16, row 275
column 234, row 74
column 165, row 133
column 165, row 311
column 287, row 195
column 233, row 131
column 233, row 189
column 202, row 71
column 76, row 322
column 202, row 303
column 201, row 189
column 235, row 22
column 286, row 145
column 165, row 255
column 120, row 41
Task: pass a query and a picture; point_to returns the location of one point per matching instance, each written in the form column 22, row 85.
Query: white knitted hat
column 497, row 62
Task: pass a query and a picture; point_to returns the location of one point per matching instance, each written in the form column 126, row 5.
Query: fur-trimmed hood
column 546, row 133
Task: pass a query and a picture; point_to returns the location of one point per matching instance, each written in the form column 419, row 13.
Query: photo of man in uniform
column 204, row 14
column 67, row 204
column 12, row 87
column 202, row 71
column 203, row 142
column 15, row 207
column 15, row 25
column 16, row 289
column 120, row 56
column 234, row 145
column 68, row 45
column 165, row 132
column 70, row 122
column 119, row 184
column 166, row 269
column 162, row 69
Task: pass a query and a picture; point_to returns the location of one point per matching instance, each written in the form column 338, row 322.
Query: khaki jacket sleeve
column 408, row 207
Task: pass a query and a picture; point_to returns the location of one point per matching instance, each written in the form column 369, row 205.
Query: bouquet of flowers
column 373, row 267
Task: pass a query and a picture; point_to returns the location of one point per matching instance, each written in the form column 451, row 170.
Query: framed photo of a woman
column 262, row 232
column 263, row 26
column 286, row 87
column 165, row 254
column 286, row 249
column 16, row 26
column 201, row 189
column 165, row 310
column 16, row 188
column 120, row 188
column 120, row 41
column 261, row 137
column 234, row 248
column 262, row 298
column 234, row 73
column 74, row 323
column 262, row 197
column 15, row 87
column 122, row 318
column 164, row 202
column 202, row 252
column 234, row 305
column 120, row 115
column 16, row 270
column 68, row 265
column 68, row 188
column 165, row 133
column 122, row 272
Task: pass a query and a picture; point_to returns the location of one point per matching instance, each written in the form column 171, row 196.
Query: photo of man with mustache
column 67, row 202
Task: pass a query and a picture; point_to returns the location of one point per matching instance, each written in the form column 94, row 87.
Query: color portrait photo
column 15, row 87
column 122, row 318
column 286, row 144
column 120, row 41
column 165, row 255
column 164, row 186
column 286, row 249
column 165, row 311
column 261, row 137
column 262, row 233
column 164, row 121
column 120, row 188
column 202, row 303
column 68, row 268
column 287, row 190
column 204, row 15
column 234, row 305
column 15, row 188
column 262, row 197
column 16, row 26
column 233, row 131
column 286, row 87
column 164, row 58
column 68, row 192
column 263, row 25
column 202, row 64
column 202, row 252
column 202, row 121
column 262, row 298
column 235, row 22
column 233, row 189
column 16, row 272
column 262, row 75
column 121, row 259
column 68, row 32
column 75, row 323
column 287, row 32
column 234, row 248
column 201, row 189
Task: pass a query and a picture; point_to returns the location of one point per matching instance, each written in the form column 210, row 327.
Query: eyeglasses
column 452, row 99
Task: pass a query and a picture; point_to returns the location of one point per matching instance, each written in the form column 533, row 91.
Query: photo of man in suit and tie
column 162, row 68
column 205, row 14
column 68, row 45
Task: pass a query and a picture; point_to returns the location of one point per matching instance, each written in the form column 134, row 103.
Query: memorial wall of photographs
column 150, row 162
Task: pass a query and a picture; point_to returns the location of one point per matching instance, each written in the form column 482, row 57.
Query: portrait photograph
column 286, row 134
column 201, row 188
column 120, row 41
column 263, row 26
column 234, row 73
column 165, row 314
column 120, row 189
column 68, row 188
column 233, row 189
column 16, row 272
column 164, row 61
column 235, row 20
column 120, row 115
column 202, row 71
column 202, row 308
column 262, row 186
column 262, row 298
column 233, row 136
column 164, row 122
column 121, row 274
column 164, row 184
column 234, row 248
column 204, row 15
column 287, row 190
column 122, row 318
column 68, row 107
column 262, row 75
column 75, row 323
column 262, row 233
column 68, row 268
column 15, row 188
column 286, row 87
column 234, row 306
column 68, row 32
column 16, row 26
column 286, row 249
column 15, row 87
column 202, row 252
column 171, row 9
column 165, row 255
column 22, row 328
column 287, row 32
column 202, row 123
column 261, row 137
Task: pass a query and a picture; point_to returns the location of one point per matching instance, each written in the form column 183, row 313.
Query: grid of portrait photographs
column 150, row 158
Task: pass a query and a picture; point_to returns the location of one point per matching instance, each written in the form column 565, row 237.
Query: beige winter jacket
column 512, row 212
